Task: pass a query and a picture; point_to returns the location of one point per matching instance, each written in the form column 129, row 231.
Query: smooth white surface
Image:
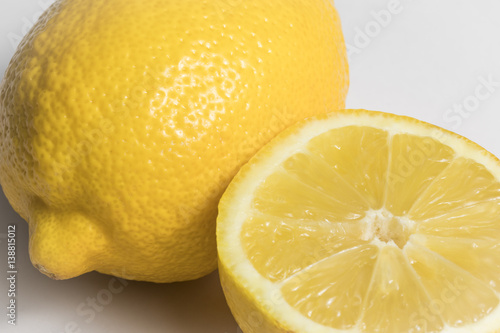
column 425, row 59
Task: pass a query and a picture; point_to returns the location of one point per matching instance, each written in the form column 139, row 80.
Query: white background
column 423, row 58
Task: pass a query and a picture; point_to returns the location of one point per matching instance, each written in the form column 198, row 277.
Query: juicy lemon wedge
column 362, row 221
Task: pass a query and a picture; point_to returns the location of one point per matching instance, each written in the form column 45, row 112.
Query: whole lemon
column 123, row 121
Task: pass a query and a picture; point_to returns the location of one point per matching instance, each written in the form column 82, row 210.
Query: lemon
column 362, row 221
column 122, row 122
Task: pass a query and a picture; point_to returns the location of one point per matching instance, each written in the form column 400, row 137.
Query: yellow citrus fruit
column 362, row 221
column 122, row 122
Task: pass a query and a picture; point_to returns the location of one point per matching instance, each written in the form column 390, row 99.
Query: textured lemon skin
column 122, row 122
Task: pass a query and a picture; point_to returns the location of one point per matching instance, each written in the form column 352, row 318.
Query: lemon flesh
column 123, row 121
column 363, row 222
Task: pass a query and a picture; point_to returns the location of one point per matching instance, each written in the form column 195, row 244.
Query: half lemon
column 363, row 221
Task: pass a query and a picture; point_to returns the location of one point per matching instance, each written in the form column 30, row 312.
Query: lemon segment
column 414, row 164
column 463, row 183
column 457, row 296
column 476, row 256
column 329, row 282
column 457, row 222
column 283, row 192
column 310, row 241
column 395, row 296
column 359, row 155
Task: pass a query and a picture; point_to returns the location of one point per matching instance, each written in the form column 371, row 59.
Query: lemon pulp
column 390, row 226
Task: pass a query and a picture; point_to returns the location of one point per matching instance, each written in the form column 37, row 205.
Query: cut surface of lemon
column 363, row 221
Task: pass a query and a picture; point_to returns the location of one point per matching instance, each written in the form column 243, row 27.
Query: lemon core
column 381, row 226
